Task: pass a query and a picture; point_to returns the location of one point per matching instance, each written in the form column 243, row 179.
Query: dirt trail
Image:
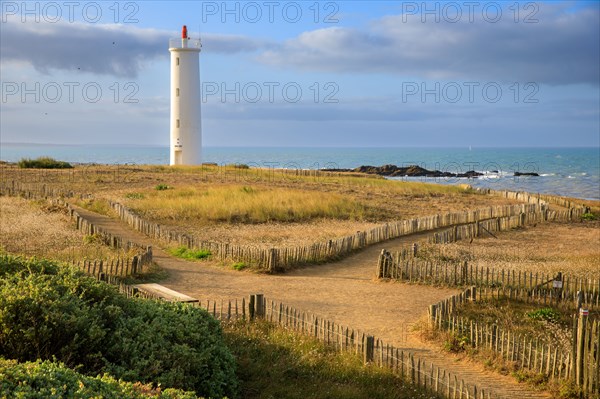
column 346, row 292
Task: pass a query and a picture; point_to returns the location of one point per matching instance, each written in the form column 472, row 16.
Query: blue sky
column 284, row 73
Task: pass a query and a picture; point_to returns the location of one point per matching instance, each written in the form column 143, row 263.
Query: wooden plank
column 165, row 293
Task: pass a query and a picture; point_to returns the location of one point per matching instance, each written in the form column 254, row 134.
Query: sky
column 306, row 73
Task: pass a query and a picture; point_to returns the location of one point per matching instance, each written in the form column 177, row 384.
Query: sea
column 573, row 172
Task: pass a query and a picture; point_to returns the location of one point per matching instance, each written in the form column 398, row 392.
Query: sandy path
column 345, row 292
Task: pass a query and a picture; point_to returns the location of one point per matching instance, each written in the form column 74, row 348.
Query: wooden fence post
column 369, row 352
column 251, row 305
column 260, row 306
column 580, row 351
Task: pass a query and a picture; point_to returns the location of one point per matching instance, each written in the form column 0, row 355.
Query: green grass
column 547, row 314
column 246, row 204
column 275, row 363
column 43, row 163
column 589, row 216
column 187, row 253
column 239, row 266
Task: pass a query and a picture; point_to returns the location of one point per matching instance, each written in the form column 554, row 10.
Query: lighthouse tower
column 186, row 130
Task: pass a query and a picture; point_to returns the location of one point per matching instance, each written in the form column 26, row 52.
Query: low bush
column 187, row 253
column 456, row 343
column 43, row 163
column 49, row 380
column 239, row 266
column 589, row 216
column 50, row 311
column 546, row 314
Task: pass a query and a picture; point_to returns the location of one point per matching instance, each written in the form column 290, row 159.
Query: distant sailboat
column 470, row 148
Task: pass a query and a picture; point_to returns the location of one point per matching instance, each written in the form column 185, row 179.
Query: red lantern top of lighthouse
column 185, row 43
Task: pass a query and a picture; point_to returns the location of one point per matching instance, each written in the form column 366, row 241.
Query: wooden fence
column 464, row 224
column 586, row 350
column 581, row 363
column 371, row 349
column 117, row 267
column 345, row 339
column 490, row 226
column 274, row 259
column 404, row 265
column 547, row 199
column 143, row 255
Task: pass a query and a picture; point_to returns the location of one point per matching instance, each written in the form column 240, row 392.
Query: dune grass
column 287, row 207
column 244, row 204
column 276, row 363
column 572, row 248
column 33, row 228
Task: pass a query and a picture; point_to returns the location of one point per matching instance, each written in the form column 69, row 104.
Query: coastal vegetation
column 44, row 163
column 106, row 333
column 244, row 204
column 63, row 334
column 264, row 207
column 25, row 231
column 48, row 379
column 547, row 248
column 278, row 363
column 50, row 311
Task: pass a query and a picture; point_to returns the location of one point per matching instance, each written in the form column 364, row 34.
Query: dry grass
column 285, row 208
column 242, row 204
column 547, row 248
column 279, row 234
column 35, row 229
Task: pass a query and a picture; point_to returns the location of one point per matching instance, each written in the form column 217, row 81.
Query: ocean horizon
column 567, row 171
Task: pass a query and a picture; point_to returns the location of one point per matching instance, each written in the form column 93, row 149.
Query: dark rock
column 526, row 174
column 410, row 171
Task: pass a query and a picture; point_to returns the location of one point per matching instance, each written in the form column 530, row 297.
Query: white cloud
column 561, row 48
column 105, row 49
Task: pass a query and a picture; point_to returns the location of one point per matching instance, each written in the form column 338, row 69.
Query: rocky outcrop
column 410, row 171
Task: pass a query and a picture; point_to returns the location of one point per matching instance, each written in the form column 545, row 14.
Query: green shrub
column 237, row 166
column 44, row 163
column 50, row 311
column 456, row 343
column 239, row 266
column 187, row 253
column 546, row 314
column 161, row 187
column 134, row 195
column 43, row 380
column 589, row 216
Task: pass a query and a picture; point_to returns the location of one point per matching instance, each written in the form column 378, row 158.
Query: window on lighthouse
column 177, row 61
column 177, row 122
column 177, row 92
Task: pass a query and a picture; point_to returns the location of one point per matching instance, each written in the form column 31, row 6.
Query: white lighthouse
column 186, row 129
